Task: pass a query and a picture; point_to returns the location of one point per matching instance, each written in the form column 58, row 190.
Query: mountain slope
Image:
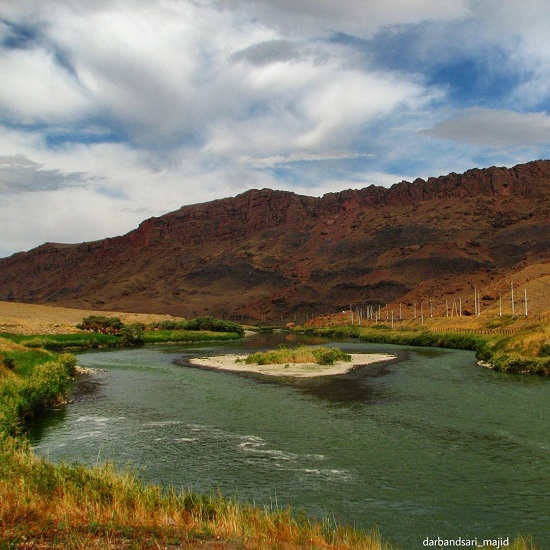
column 266, row 254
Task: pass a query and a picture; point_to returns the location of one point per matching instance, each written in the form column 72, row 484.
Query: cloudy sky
column 113, row 111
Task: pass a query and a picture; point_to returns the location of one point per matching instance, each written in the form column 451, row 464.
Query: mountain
column 272, row 254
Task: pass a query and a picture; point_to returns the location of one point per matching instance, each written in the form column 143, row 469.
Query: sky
column 114, row 111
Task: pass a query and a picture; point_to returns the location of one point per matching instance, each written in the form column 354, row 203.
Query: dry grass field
column 43, row 319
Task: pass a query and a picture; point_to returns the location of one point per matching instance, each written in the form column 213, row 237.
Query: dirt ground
column 42, row 319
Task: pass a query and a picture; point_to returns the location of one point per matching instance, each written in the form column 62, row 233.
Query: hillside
column 267, row 255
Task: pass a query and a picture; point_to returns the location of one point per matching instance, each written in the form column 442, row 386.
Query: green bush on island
column 299, row 354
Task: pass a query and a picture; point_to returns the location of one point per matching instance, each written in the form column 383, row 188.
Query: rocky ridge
column 272, row 254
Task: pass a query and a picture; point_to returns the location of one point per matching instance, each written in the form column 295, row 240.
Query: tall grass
column 62, row 502
column 23, row 362
column 23, row 396
column 60, row 342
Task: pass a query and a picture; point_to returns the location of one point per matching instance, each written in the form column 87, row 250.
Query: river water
column 427, row 445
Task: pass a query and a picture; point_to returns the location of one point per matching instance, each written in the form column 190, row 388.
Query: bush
column 102, row 324
column 132, row 335
column 214, row 325
column 545, row 350
column 25, row 395
column 201, row 323
column 327, row 356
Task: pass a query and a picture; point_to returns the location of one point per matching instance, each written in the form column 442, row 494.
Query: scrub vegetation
column 109, row 332
column 299, row 354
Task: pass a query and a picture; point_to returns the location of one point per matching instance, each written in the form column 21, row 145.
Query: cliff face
column 267, row 254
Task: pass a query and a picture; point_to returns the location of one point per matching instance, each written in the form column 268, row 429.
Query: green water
column 428, row 445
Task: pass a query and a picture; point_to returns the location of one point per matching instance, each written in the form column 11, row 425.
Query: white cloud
column 38, row 89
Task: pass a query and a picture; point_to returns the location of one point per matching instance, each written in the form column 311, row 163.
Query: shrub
column 327, row 356
column 214, row 325
column 9, row 363
column 100, row 323
column 132, row 335
column 545, row 350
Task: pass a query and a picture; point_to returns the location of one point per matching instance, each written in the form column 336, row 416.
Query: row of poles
column 375, row 313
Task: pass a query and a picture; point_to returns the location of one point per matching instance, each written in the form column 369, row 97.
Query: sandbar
column 296, row 370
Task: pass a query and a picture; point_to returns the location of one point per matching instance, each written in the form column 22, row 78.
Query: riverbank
column 48, row 506
column 524, row 351
column 235, row 363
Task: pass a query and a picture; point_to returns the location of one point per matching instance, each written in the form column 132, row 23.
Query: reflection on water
column 427, row 445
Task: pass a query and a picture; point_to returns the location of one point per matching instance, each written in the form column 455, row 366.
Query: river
column 427, row 445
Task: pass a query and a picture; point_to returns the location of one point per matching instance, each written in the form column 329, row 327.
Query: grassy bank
column 79, row 507
column 525, row 351
column 91, row 340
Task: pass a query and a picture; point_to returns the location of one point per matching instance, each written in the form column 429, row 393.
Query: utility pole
column 500, row 304
column 525, row 301
column 513, row 305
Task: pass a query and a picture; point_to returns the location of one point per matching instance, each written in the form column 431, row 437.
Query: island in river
column 236, row 363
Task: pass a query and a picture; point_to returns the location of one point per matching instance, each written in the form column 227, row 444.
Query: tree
column 102, row 324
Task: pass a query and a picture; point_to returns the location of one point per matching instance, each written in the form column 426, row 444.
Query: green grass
column 24, row 362
column 86, row 340
column 167, row 336
column 24, row 395
column 60, row 342
column 299, row 354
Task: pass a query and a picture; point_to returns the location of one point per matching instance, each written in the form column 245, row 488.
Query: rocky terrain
column 272, row 255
